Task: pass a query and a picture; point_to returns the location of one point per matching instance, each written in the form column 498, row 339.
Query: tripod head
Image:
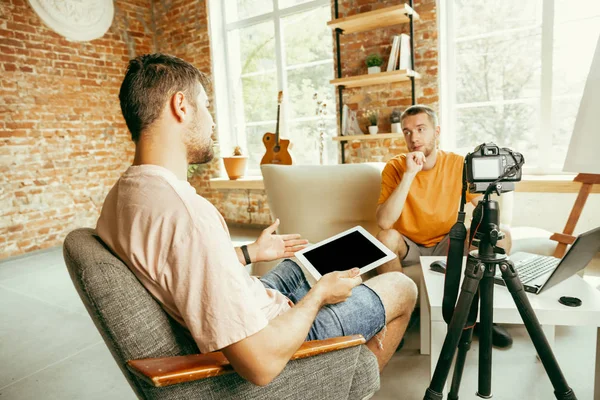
column 485, row 226
column 489, row 169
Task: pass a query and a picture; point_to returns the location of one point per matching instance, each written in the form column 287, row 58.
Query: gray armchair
column 161, row 361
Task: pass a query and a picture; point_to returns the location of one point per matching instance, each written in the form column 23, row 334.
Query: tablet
column 354, row 248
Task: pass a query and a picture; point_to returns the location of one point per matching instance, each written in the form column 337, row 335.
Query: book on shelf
column 393, row 60
column 405, row 52
column 400, row 53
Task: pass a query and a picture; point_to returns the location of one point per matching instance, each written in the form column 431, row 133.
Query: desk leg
column 425, row 320
column 597, row 378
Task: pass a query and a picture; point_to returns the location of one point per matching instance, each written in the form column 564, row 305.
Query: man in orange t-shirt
column 420, row 195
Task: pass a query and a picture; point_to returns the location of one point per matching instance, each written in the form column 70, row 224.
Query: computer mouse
column 438, row 266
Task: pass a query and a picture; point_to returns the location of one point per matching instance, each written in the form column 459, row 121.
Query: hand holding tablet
column 354, row 248
column 337, row 286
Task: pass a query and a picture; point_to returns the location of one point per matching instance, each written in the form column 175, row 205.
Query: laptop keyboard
column 534, row 267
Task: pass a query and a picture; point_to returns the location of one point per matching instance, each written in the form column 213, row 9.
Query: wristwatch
column 246, row 254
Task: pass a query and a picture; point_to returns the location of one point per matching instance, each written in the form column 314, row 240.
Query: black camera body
column 487, row 163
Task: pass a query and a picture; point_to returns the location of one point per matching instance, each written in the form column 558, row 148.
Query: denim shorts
column 362, row 313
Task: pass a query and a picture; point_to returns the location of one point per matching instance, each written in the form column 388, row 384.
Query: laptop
column 539, row 273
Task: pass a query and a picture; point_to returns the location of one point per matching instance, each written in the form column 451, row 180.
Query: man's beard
column 429, row 147
column 428, row 150
column 200, row 154
column 197, row 152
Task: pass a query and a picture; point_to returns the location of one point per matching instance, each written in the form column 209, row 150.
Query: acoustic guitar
column 277, row 149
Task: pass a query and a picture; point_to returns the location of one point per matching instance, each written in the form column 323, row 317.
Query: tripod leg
column 562, row 391
column 473, row 274
column 463, row 347
column 486, row 289
column 459, row 365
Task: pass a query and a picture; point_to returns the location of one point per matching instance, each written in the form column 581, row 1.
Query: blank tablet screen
column 349, row 251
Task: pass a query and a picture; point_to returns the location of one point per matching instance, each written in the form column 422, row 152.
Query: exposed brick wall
column 356, row 47
column 63, row 141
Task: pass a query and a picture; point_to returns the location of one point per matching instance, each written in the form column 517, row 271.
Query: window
column 259, row 48
column 513, row 72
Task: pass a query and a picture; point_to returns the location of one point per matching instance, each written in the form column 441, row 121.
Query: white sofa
column 319, row 201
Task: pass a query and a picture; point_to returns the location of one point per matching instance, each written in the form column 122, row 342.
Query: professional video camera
column 489, row 164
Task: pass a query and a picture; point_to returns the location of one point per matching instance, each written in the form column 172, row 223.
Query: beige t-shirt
column 178, row 246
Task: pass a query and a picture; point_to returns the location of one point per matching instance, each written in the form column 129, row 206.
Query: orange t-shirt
column 431, row 207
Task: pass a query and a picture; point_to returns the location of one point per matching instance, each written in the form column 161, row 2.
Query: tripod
column 479, row 275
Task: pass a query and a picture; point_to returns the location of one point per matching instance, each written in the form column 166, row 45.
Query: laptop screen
column 585, row 247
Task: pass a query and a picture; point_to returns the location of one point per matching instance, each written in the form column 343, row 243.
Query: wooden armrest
column 167, row 371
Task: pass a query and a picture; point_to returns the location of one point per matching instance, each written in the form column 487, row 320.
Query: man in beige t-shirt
column 178, row 244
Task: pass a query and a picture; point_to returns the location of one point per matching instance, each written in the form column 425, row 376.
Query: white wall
column 550, row 211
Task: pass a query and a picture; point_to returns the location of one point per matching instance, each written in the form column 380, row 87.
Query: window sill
column 247, row 182
column 529, row 183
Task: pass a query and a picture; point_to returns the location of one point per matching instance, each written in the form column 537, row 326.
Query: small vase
column 374, row 70
column 396, row 127
column 373, row 129
column 235, row 166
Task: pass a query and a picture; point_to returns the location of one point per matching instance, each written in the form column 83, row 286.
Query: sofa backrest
column 319, row 201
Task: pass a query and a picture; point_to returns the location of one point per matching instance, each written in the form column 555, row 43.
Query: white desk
column 546, row 306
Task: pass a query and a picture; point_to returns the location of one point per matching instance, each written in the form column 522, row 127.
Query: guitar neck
column 277, row 127
column 279, row 99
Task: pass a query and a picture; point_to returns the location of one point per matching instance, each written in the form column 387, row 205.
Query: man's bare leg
column 398, row 294
column 394, row 241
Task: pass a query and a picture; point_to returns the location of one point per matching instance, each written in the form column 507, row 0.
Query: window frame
column 225, row 96
column 447, row 84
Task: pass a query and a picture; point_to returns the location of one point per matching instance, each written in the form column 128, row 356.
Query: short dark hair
column 150, row 80
column 420, row 109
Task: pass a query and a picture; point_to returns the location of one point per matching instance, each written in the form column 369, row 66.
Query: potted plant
column 372, row 117
column 235, row 165
column 395, row 121
column 374, row 62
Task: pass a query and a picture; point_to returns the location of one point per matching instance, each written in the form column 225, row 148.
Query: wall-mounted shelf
column 368, row 137
column 374, row 19
column 376, row 79
column 388, row 16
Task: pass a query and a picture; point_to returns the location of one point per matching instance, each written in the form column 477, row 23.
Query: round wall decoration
column 77, row 20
